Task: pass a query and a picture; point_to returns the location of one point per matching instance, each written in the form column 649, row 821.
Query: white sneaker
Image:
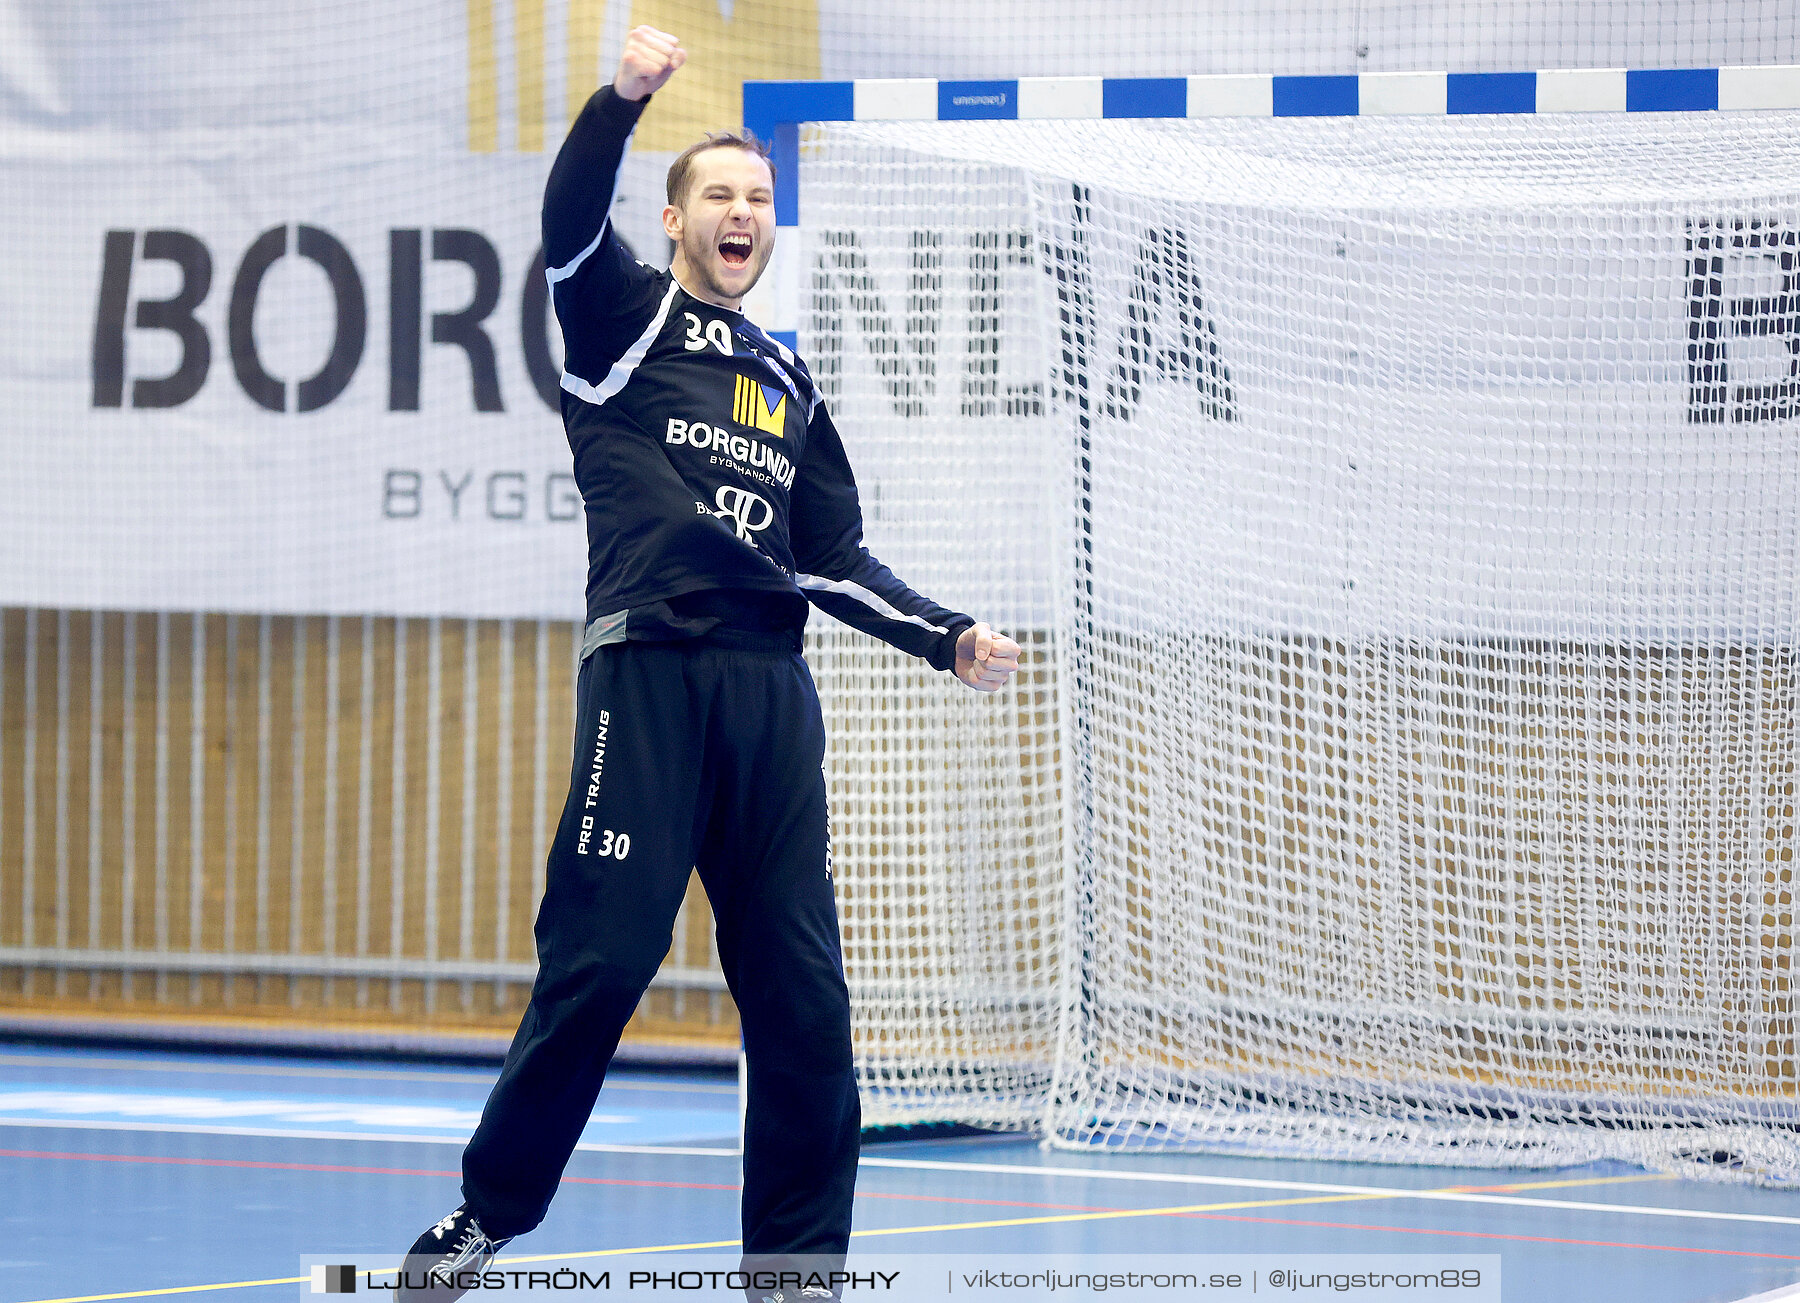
column 443, row 1254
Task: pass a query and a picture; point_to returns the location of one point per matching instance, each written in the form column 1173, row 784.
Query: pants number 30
column 615, row 844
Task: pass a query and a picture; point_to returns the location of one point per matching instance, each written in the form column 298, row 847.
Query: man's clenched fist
column 650, row 59
column 985, row 660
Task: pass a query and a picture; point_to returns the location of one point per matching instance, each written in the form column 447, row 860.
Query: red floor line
column 660, row 1185
column 330, row 1167
column 570, row 1180
column 223, row 1162
column 416, row 1171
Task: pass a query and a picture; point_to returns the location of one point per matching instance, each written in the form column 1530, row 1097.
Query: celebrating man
column 719, row 502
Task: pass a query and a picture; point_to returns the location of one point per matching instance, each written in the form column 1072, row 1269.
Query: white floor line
column 187, row 1128
column 1383, row 1191
column 1786, row 1294
column 377, row 1074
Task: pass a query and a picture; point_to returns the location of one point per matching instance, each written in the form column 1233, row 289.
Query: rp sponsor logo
column 748, row 512
column 761, row 407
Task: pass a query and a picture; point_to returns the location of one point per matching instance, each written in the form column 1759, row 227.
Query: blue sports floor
column 170, row 1175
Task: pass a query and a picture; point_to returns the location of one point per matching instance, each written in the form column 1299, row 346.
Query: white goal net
column 1404, row 518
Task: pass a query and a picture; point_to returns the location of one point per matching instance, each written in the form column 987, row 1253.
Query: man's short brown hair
column 681, row 171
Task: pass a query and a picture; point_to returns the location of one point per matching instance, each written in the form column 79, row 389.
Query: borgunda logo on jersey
column 761, row 460
column 761, row 407
column 747, row 512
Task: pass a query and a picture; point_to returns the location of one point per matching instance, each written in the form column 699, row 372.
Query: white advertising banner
column 302, row 388
column 270, row 334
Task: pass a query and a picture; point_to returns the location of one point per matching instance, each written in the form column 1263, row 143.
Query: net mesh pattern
column 1406, row 517
column 947, row 810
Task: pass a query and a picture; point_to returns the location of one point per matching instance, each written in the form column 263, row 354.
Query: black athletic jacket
column 713, row 479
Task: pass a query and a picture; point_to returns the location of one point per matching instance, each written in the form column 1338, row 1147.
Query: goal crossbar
column 774, row 111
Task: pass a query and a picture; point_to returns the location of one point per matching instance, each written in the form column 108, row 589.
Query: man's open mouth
column 735, row 249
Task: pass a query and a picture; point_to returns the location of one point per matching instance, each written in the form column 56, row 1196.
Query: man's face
column 724, row 231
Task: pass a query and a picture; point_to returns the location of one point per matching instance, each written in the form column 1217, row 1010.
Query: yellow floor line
column 179, row 1289
column 1117, row 1214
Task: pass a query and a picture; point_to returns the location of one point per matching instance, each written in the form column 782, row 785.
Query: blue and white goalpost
column 775, row 111
column 1396, row 480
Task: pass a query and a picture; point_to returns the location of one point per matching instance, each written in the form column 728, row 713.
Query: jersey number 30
column 717, row 334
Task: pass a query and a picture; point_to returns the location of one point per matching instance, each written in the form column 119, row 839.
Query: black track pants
column 688, row 755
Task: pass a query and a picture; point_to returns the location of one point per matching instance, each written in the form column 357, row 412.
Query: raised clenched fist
column 650, row 59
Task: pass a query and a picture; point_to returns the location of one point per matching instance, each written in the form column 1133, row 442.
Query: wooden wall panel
column 279, row 785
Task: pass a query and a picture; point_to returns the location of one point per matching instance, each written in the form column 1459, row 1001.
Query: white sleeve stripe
column 622, row 369
column 874, row 601
column 569, row 268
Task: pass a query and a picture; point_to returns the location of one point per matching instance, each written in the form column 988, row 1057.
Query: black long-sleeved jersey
column 708, row 466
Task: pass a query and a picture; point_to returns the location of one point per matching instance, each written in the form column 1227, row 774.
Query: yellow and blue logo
column 761, row 407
